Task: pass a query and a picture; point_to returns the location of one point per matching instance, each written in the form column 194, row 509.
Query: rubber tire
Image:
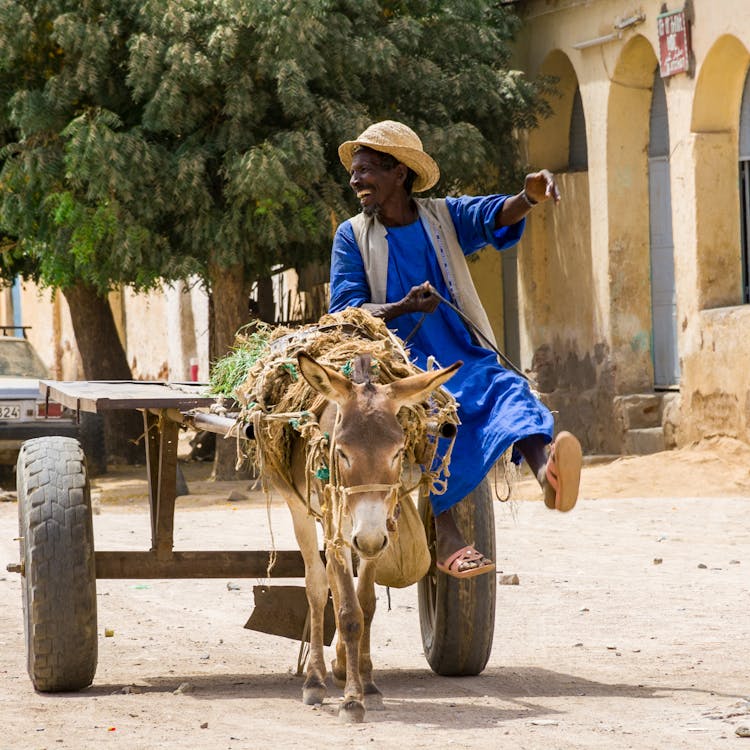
column 91, row 437
column 57, row 551
column 457, row 616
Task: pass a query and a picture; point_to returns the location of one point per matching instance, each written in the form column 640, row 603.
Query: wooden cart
column 59, row 565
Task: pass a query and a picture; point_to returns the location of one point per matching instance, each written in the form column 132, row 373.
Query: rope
column 272, row 553
column 475, row 330
column 304, row 646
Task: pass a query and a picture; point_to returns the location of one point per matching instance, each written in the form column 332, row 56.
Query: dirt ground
column 629, row 628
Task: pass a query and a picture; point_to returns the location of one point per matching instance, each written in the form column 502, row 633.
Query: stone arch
column 628, row 112
column 554, row 262
column 718, row 88
column 715, row 128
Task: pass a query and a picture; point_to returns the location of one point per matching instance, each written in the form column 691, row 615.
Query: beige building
column 633, row 302
column 165, row 333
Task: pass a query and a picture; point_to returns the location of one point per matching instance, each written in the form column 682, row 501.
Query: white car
column 24, row 414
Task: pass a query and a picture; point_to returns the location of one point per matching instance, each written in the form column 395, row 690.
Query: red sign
column 674, row 43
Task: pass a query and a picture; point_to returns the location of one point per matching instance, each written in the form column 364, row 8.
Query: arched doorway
column 555, row 265
column 714, row 124
column 663, row 295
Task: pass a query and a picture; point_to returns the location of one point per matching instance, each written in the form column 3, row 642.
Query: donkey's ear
column 416, row 388
column 325, row 380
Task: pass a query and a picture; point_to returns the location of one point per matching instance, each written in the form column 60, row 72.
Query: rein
column 473, row 328
column 361, row 488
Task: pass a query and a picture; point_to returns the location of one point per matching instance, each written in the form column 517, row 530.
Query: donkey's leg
column 366, row 596
column 338, row 665
column 350, row 624
column 316, row 587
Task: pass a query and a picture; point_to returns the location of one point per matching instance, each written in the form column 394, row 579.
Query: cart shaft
column 199, row 564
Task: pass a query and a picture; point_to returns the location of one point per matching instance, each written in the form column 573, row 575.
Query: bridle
column 339, row 495
column 394, row 491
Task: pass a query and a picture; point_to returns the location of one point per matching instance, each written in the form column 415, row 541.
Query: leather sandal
column 563, row 473
column 466, row 554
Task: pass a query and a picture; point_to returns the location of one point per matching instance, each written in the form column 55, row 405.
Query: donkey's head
column 368, row 441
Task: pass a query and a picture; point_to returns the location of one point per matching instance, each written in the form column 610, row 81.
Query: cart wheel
column 57, row 552
column 457, row 616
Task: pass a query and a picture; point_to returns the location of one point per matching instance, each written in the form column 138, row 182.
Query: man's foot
column 562, row 473
column 454, row 557
column 466, row 563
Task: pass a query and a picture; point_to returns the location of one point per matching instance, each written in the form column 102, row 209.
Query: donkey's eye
column 343, row 457
column 397, row 457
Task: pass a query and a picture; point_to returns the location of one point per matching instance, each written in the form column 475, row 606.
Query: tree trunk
column 228, row 312
column 104, row 358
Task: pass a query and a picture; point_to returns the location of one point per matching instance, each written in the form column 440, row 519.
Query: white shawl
column 371, row 238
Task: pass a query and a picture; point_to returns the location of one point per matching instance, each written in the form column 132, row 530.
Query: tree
column 201, row 136
column 60, row 61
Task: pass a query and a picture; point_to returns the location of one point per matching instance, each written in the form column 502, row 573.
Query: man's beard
column 372, row 211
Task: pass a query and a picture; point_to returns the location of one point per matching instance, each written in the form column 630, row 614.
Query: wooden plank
column 100, row 395
column 166, row 486
column 199, row 564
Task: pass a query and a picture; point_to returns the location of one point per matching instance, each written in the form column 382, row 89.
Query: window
column 745, row 189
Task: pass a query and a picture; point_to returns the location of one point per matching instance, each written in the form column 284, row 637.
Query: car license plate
column 10, row 411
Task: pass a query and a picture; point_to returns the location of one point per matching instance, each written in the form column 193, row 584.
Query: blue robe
column 496, row 406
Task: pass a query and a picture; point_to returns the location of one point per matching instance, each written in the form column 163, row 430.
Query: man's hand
column 541, row 186
column 538, row 187
column 420, row 299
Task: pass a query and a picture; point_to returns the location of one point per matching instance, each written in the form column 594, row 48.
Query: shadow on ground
column 473, row 701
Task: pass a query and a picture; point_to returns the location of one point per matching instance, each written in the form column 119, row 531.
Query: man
column 389, row 258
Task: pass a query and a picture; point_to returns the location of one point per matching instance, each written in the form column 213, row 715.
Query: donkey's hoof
column 313, row 694
column 373, row 698
column 338, row 674
column 352, row 712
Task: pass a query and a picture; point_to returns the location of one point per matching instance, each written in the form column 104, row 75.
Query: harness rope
column 333, row 495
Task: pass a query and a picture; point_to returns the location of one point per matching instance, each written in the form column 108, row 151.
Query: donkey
column 358, row 508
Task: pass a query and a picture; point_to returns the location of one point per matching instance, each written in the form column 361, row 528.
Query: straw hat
column 399, row 141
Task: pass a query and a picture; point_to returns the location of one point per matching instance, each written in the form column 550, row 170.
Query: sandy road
column 598, row 646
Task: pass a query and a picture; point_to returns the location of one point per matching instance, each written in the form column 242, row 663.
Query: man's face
column 374, row 184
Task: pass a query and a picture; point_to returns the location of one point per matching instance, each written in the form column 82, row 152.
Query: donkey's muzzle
column 369, row 545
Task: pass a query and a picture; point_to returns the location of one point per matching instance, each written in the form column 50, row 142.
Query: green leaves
column 151, row 137
column 230, row 372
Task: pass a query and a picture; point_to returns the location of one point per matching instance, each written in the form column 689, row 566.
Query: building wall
column 487, row 274
column 164, row 332
column 585, row 280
